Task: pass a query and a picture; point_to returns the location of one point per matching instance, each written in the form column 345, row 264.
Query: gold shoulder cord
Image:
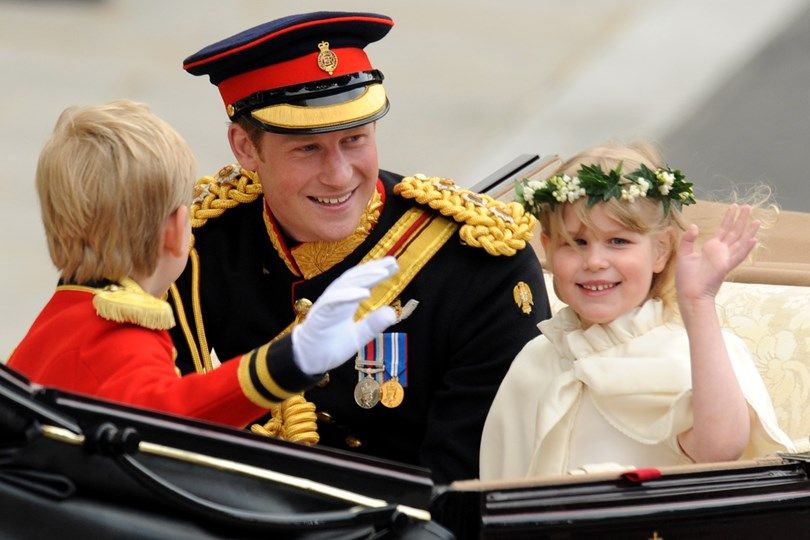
column 213, row 195
column 230, row 187
column 499, row 228
column 293, row 419
column 199, row 355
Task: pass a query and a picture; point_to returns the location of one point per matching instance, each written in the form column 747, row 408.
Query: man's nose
column 337, row 171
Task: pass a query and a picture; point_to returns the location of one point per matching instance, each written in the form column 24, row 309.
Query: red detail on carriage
column 637, row 476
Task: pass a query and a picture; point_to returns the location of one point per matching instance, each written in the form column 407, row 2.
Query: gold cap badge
column 523, row 297
column 327, row 60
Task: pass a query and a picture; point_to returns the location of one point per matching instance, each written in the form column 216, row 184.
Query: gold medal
column 392, row 393
column 367, row 392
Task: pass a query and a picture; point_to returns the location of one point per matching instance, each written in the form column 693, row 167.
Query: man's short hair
column 108, row 178
column 254, row 133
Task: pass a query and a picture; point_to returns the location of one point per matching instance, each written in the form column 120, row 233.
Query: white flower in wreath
column 632, row 192
column 643, row 186
column 537, row 185
column 666, row 179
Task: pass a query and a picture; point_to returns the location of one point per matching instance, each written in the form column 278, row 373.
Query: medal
column 381, row 371
column 367, row 389
column 367, row 392
column 392, row 393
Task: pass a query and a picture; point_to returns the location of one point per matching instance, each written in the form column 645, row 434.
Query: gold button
column 324, row 417
column 301, row 307
column 353, row 442
column 324, row 381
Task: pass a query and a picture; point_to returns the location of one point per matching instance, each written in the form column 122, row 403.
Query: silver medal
column 367, row 392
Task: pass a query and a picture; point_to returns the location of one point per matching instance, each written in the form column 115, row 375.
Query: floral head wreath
column 664, row 184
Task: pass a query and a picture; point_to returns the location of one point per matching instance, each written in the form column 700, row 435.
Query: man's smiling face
column 318, row 185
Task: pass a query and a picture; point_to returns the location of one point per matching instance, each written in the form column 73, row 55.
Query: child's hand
column 699, row 275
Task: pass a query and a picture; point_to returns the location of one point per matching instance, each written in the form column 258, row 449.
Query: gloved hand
column 329, row 335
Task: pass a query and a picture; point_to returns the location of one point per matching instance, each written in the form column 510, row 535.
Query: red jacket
column 71, row 347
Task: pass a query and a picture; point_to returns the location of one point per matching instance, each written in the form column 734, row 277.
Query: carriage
column 76, row 466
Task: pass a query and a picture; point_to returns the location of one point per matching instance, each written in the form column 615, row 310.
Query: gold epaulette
column 126, row 302
column 213, row 195
column 498, row 227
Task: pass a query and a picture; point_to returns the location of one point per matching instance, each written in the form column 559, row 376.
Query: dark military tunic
column 461, row 338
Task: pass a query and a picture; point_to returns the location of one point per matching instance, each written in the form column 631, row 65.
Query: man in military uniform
column 306, row 202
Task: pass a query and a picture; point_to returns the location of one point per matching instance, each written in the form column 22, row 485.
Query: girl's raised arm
column 721, row 421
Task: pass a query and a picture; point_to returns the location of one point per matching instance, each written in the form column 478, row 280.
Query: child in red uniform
column 114, row 183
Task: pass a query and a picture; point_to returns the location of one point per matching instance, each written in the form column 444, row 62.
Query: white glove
column 329, row 335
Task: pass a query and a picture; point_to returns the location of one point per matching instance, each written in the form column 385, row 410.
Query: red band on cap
column 300, row 70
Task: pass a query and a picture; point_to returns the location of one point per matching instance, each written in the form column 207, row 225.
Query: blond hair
column 643, row 215
column 108, row 178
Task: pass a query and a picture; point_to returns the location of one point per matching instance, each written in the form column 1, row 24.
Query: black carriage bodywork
column 73, row 466
column 740, row 500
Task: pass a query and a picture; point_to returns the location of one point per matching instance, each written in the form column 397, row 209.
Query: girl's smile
column 609, row 268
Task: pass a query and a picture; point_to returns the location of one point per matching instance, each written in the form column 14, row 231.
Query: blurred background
column 722, row 86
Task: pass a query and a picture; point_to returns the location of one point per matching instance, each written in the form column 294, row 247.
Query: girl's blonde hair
column 108, row 178
column 643, row 215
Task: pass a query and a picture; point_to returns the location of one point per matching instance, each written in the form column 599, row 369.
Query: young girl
column 615, row 379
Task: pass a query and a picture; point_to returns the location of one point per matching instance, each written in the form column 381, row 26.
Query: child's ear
column 174, row 231
column 243, row 148
column 545, row 241
column 663, row 248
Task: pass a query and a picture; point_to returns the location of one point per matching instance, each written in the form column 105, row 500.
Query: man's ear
column 174, row 231
column 242, row 147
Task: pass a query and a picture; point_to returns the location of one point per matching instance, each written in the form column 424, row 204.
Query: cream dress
column 614, row 393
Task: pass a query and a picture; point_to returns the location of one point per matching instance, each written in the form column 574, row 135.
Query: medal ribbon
column 395, row 356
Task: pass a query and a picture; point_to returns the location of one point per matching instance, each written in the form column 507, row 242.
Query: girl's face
column 610, row 270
